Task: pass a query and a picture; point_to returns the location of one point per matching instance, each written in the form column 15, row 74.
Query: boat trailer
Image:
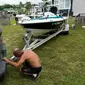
column 34, row 42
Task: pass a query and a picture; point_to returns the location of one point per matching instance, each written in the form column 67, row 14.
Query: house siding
column 65, row 8
column 78, row 7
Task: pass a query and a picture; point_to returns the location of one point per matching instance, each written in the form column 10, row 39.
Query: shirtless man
column 29, row 60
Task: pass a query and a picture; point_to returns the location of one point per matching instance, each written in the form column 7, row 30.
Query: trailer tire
column 64, row 33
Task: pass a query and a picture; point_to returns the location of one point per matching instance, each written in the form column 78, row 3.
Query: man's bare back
column 32, row 58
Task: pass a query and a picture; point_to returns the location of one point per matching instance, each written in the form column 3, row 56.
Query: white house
column 78, row 7
column 62, row 5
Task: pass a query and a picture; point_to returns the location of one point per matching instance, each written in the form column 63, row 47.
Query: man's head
column 17, row 52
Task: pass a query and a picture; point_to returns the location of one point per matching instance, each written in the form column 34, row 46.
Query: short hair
column 17, row 52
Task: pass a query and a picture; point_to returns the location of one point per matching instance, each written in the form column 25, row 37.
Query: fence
column 4, row 18
column 80, row 18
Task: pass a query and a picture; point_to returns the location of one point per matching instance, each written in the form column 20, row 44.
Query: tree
column 7, row 6
column 28, row 5
column 21, row 4
column 20, row 8
column 1, row 7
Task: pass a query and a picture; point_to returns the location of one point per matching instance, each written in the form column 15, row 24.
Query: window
column 61, row 1
column 61, row 4
column 56, row 2
column 67, row 4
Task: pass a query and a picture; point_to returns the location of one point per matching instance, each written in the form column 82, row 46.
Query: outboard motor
column 53, row 9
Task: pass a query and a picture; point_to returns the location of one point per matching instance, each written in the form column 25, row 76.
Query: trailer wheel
column 66, row 30
column 64, row 33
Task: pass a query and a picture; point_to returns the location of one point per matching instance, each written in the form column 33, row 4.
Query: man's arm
column 15, row 64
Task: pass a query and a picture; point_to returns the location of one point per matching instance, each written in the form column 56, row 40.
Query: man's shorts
column 31, row 70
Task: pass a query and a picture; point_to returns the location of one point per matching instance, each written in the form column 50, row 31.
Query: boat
column 19, row 16
column 44, row 24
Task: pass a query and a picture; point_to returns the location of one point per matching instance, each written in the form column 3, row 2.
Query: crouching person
column 29, row 60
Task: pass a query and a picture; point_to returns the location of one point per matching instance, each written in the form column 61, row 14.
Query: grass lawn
column 62, row 58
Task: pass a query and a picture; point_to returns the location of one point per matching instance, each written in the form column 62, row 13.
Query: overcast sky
column 17, row 1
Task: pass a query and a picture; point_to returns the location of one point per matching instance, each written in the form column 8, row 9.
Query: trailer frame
column 39, row 41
